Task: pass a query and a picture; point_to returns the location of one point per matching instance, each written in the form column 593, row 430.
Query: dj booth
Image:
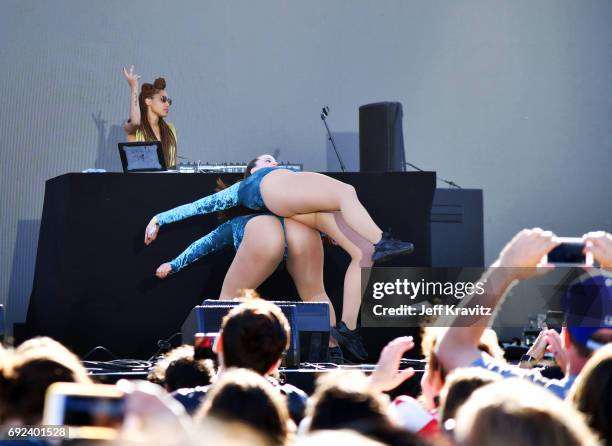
column 95, row 279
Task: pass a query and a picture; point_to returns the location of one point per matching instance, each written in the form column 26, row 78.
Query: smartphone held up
column 570, row 252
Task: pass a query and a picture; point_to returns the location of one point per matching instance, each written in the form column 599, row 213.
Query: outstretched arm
column 519, row 260
column 219, row 201
column 211, row 242
column 133, row 122
column 225, row 199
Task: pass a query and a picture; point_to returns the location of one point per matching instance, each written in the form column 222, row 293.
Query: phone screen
column 555, row 319
column 100, row 411
column 568, row 253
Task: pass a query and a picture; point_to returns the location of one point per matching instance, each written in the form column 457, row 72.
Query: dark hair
column 26, row 372
column 23, row 394
column 459, row 385
column 188, row 372
column 592, row 392
column 343, row 399
column 244, row 396
column 237, row 211
column 255, row 334
column 157, row 374
column 249, row 167
column 387, row 433
column 167, row 137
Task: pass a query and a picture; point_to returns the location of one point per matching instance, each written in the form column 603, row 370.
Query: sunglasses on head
column 166, row 100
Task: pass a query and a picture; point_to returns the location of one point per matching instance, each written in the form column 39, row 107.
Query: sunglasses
column 166, row 100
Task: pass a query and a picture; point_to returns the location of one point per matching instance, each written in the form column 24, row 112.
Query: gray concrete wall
column 511, row 97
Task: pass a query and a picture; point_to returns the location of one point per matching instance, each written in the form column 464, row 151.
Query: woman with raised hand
column 287, row 193
column 148, row 111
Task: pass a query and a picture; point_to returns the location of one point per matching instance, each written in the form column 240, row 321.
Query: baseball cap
column 587, row 304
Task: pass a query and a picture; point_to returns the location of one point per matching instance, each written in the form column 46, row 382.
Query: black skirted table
column 94, row 282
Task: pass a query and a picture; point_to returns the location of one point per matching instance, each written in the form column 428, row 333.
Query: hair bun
column 160, row 83
column 147, row 87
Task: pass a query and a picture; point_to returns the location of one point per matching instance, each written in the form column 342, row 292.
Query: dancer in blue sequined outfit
column 243, row 276
column 287, row 194
column 261, row 243
column 229, row 233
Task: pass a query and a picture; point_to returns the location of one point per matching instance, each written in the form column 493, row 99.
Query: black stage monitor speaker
column 309, row 322
column 381, row 139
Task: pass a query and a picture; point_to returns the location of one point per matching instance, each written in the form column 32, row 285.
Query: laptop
column 142, row 156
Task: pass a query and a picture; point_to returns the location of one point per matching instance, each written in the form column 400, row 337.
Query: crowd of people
column 469, row 394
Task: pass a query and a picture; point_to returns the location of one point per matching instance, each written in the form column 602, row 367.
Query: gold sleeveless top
column 171, row 161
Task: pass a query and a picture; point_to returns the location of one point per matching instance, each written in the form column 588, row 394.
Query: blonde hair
column 592, row 392
column 516, row 412
column 489, row 343
column 46, row 349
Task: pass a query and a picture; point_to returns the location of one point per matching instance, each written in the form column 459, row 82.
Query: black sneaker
column 350, row 341
column 335, row 355
column 389, row 247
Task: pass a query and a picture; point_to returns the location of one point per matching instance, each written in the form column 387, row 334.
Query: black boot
column 350, row 341
column 335, row 355
column 389, row 247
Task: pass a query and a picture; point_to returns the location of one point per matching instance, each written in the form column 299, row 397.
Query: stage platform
column 94, row 282
column 304, row 377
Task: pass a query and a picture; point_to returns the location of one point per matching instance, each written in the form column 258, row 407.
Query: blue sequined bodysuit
column 232, row 230
column 244, row 193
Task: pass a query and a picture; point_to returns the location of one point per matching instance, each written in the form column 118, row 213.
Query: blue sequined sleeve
column 225, row 199
column 211, row 242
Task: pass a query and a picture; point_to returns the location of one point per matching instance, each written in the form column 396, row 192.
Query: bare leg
column 305, row 265
column 262, row 249
column 259, row 254
column 289, row 193
column 360, row 250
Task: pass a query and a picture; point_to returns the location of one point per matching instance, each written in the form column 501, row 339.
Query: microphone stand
column 450, row 183
column 331, row 139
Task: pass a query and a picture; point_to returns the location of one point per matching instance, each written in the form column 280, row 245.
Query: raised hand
column 538, row 348
column 555, row 346
column 600, row 245
column 132, row 78
column 163, row 270
column 387, row 375
column 151, row 231
column 523, row 254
